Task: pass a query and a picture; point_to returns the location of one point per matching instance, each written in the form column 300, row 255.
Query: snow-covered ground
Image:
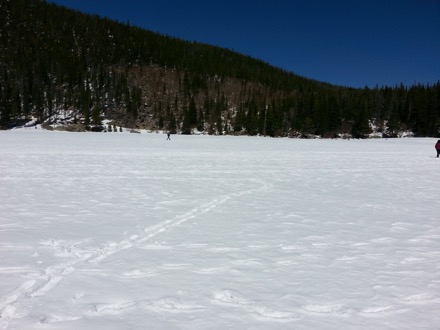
column 130, row 231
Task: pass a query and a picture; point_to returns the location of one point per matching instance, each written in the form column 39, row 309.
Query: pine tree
column 172, row 127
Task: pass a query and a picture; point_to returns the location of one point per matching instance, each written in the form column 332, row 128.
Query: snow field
column 130, row 231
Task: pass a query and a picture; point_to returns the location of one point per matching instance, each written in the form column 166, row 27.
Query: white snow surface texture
column 130, row 231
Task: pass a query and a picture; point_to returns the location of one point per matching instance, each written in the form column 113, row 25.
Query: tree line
column 55, row 60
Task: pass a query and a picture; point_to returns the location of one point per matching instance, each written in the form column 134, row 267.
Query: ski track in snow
column 52, row 275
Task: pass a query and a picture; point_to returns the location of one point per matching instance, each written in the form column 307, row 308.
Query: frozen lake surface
column 130, row 231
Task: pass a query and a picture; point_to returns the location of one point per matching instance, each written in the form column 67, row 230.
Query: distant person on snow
column 168, row 136
column 437, row 147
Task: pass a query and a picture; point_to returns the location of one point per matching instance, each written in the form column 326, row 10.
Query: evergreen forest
column 58, row 65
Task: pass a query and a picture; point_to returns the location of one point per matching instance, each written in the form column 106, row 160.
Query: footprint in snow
column 235, row 300
column 326, row 309
column 387, row 309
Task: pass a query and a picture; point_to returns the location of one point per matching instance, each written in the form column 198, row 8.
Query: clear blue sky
column 354, row 43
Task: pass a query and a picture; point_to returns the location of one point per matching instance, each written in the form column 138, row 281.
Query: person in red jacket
column 437, row 147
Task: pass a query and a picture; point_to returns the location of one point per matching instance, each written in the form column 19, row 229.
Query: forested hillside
column 59, row 63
